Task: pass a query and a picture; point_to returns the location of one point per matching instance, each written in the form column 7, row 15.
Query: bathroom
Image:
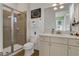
column 23, row 30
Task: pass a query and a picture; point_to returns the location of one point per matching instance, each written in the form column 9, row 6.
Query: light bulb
column 55, row 8
column 61, row 7
column 61, row 3
column 54, row 4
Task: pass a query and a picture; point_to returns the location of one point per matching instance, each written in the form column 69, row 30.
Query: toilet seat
column 28, row 45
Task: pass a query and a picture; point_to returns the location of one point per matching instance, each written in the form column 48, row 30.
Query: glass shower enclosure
column 14, row 30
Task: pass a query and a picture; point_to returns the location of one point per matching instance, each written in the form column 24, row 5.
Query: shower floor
column 7, row 50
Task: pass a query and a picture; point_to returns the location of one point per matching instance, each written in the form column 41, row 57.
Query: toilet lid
column 28, row 45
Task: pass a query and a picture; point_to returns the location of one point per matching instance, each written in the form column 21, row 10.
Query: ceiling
column 66, row 7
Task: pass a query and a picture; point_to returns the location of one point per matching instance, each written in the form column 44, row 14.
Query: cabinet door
column 73, row 51
column 44, row 49
column 58, row 50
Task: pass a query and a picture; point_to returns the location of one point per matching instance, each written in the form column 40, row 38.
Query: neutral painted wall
column 22, row 6
column 12, row 5
column 49, row 20
column 42, row 6
column 39, row 21
column 18, row 6
column 76, row 15
column 71, row 10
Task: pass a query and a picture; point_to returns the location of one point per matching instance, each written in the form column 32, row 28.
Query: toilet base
column 29, row 53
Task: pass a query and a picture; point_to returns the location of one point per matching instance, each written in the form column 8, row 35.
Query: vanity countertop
column 61, row 35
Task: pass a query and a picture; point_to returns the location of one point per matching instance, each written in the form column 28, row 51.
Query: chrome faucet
column 70, row 28
column 52, row 31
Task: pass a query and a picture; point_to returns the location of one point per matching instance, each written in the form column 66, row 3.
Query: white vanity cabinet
column 73, row 51
column 76, row 12
column 44, row 49
column 44, row 46
column 58, row 50
column 57, row 45
column 73, row 47
column 50, row 46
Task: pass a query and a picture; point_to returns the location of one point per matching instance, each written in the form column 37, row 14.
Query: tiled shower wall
column 6, row 29
column 20, row 37
column 19, row 29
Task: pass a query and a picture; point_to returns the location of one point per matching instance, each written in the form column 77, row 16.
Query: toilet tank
column 33, row 39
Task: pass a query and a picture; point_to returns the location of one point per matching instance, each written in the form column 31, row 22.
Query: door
column 14, row 30
column 44, row 49
column 6, row 30
column 73, row 51
column 19, row 29
column 58, row 50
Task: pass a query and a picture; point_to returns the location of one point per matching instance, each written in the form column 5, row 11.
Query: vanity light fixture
column 61, row 7
column 55, row 8
column 61, row 3
column 54, row 4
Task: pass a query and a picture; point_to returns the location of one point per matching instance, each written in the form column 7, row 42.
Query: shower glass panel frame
column 6, row 30
column 17, row 30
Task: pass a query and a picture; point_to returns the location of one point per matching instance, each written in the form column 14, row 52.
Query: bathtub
column 7, row 50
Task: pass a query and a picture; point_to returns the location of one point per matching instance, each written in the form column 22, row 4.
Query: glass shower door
column 14, row 30
column 6, row 31
column 19, row 30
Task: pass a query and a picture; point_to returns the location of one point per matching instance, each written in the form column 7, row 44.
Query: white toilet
column 29, row 47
